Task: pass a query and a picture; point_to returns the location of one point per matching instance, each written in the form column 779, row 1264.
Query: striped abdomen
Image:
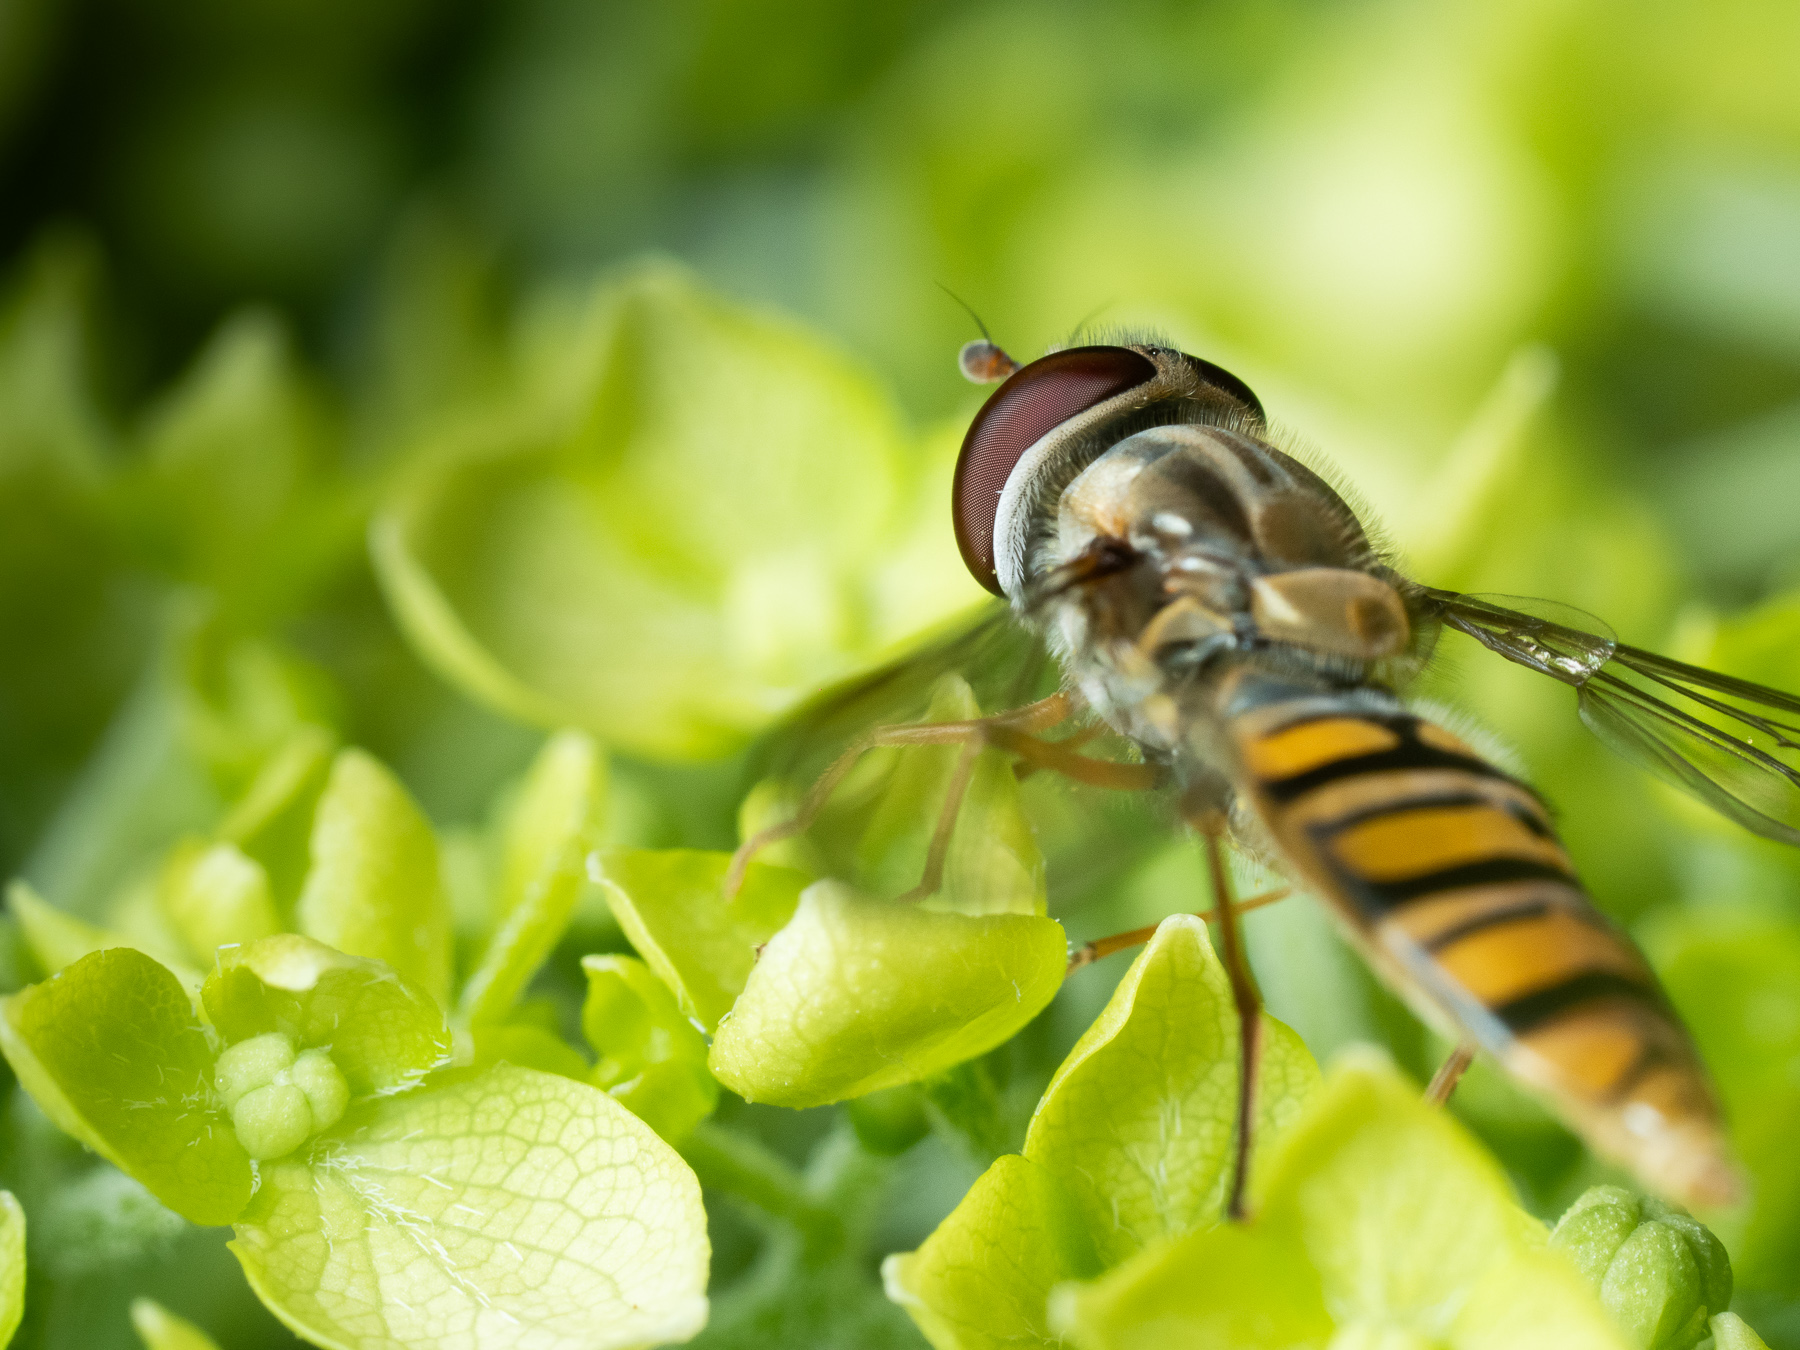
column 1450, row 874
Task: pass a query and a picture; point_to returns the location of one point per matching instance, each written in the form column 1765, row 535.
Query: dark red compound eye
column 1034, row 401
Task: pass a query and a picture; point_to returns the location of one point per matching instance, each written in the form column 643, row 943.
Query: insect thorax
column 1186, row 557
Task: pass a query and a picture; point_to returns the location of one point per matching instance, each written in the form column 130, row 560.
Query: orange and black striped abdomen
column 1450, row 874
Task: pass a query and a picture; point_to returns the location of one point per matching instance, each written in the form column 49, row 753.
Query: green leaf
column 651, row 1057
column 383, row 1032
column 500, row 1206
column 1659, row 1271
column 543, row 847
column 233, row 491
column 12, row 1267
column 853, row 995
column 1380, row 1222
column 58, row 939
column 111, row 1051
column 160, row 1329
column 272, row 822
column 982, row 1280
column 670, row 903
column 527, row 1046
column 1731, row 1332
column 215, row 896
column 1139, row 1122
column 993, row 865
column 591, row 560
column 374, row 889
column 1226, row 1288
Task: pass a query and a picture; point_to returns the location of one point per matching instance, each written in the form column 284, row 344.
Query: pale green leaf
column 272, row 822
column 213, row 896
column 595, row 559
column 671, row 904
column 855, row 994
column 232, row 490
column 1224, row 1288
column 1139, row 1122
column 1379, row 1222
column 383, row 1032
column 1731, row 1332
column 544, row 843
column 528, row 1047
column 651, row 1057
column 160, row 1329
column 374, row 889
column 502, row 1206
column 58, row 939
column 982, row 1280
column 12, row 1267
column 993, row 865
column 111, row 1051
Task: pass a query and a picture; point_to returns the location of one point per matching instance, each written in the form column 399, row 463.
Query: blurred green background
column 1528, row 273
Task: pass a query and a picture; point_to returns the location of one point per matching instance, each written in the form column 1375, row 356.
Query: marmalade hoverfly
column 1213, row 601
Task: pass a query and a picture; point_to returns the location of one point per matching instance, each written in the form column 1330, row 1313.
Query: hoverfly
column 1213, row 601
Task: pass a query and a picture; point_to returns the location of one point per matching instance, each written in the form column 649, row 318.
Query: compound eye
column 1034, row 401
column 1224, row 381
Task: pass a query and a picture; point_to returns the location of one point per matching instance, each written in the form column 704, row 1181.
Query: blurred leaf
column 272, row 822
column 670, row 903
column 527, row 1047
column 544, row 844
column 1729, row 1332
column 111, row 1050
column 207, row 713
column 383, row 1031
column 58, row 939
column 12, row 1267
column 374, row 889
column 73, row 637
column 214, row 896
column 593, row 561
column 161, row 1329
column 982, row 1280
column 1140, row 1121
column 234, row 491
column 651, row 1058
column 853, row 995
column 549, row 1211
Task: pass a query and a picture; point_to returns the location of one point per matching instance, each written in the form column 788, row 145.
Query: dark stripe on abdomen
column 1528, row 1012
column 1378, row 899
column 1409, row 754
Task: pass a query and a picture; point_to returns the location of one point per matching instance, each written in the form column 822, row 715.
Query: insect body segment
column 1448, row 873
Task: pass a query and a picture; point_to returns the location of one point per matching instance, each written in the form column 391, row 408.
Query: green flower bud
column 251, row 1064
column 272, row 1121
column 278, row 1099
column 327, row 1094
column 1659, row 1271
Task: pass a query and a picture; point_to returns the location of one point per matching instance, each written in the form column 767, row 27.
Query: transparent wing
column 1090, row 837
column 1732, row 744
column 1006, row 666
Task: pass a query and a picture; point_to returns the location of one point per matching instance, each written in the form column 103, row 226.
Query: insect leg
column 946, row 825
column 1449, row 1074
column 1211, row 825
column 1038, row 716
column 1089, row 952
